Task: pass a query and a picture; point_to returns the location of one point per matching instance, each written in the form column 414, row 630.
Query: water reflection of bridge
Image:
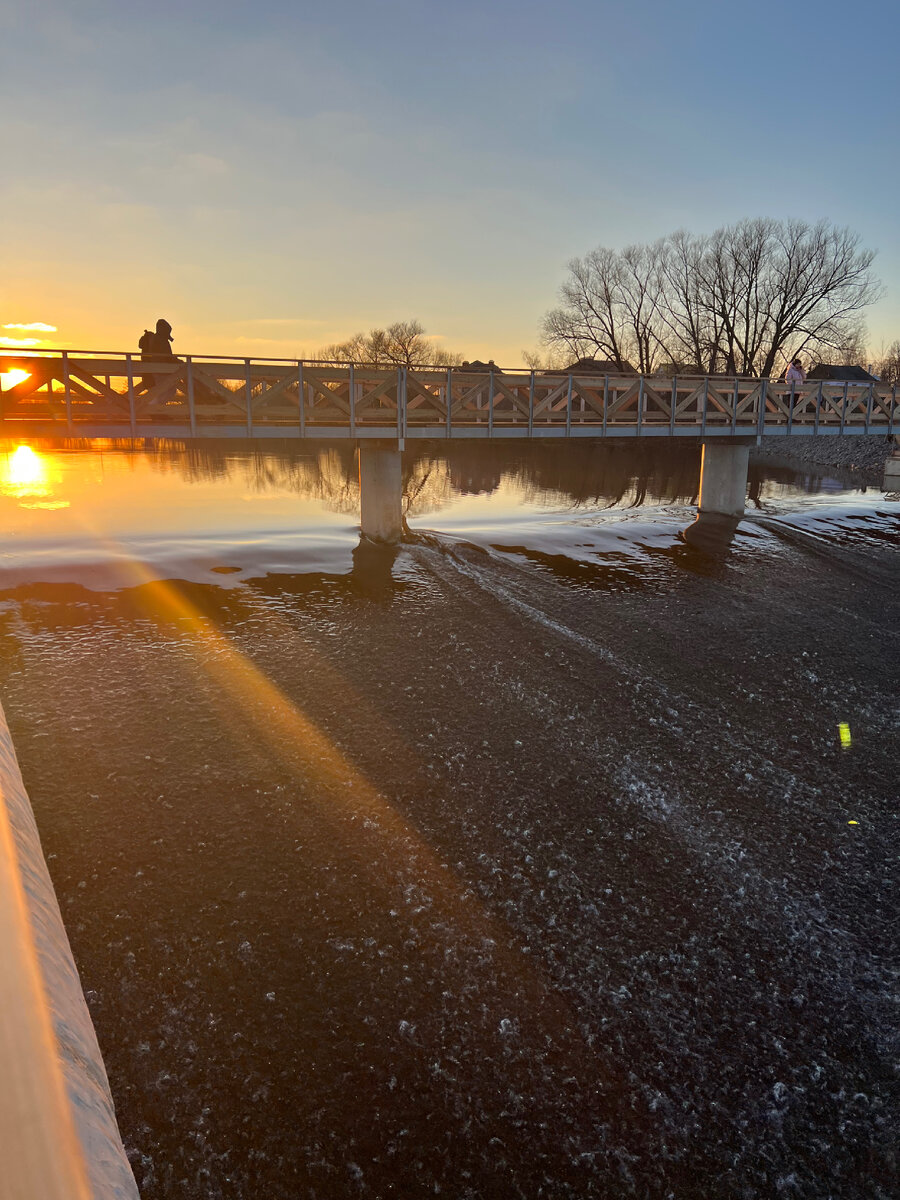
column 71, row 393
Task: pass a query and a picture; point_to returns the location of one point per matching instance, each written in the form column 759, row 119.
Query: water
column 88, row 516
column 514, row 864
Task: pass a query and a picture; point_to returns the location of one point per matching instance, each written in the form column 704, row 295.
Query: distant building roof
column 477, row 365
column 595, row 366
column 841, row 374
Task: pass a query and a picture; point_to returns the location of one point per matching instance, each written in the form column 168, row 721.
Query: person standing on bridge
column 795, row 373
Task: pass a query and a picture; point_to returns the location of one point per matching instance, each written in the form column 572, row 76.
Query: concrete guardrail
column 58, row 1134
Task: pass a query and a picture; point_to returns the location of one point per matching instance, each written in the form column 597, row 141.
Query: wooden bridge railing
column 114, row 393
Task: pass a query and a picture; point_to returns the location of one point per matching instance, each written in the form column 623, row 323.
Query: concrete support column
column 380, row 492
column 723, row 491
column 723, row 478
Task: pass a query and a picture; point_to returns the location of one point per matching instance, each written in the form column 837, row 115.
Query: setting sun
column 9, row 379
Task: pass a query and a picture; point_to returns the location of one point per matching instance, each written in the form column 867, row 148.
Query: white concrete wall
column 87, row 1088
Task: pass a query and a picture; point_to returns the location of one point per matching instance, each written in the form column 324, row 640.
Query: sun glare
column 24, row 473
column 9, row 379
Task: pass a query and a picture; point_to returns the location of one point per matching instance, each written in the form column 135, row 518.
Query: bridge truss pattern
column 74, row 393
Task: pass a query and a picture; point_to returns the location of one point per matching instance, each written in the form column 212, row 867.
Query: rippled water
column 87, row 515
column 514, row 863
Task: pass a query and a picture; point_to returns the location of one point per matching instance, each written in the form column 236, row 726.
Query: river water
column 545, row 857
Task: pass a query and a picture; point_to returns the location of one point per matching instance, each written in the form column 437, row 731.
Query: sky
column 275, row 176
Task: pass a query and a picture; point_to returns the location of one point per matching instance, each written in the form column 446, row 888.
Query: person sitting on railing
column 154, row 347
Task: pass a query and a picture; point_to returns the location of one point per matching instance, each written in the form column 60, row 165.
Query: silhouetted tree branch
column 403, row 344
column 739, row 300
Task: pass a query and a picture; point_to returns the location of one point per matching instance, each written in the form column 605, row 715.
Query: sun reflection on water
column 25, row 475
column 25, row 466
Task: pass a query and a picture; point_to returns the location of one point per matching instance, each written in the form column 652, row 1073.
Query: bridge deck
column 71, row 393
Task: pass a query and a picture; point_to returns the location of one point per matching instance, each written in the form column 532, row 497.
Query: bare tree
column 591, row 322
column 737, row 301
column 888, row 366
column 850, row 350
column 403, row 344
column 820, row 281
column 688, row 329
column 535, row 361
column 642, row 286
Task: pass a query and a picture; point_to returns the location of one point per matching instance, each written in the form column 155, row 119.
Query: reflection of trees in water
column 547, row 473
column 551, row 474
column 557, row 474
column 328, row 474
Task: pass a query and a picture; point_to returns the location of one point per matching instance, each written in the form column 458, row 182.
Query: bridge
column 97, row 394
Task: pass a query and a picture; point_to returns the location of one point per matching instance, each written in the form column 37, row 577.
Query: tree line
column 403, row 344
column 741, row 301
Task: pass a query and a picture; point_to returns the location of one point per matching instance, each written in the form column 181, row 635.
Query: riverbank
column 866, row 455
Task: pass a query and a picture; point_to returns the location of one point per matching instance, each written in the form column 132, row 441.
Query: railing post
column 844, row 407
column 818, row 407
column 405, row 398
column 569, row 408
column 190, row 394
column 352, row 398
column 893, row 406
column 869, row 407
column 790, row 420
column 248, row 397
column 531, row 405
column 68, row 389
column 491, row 405
column 605, row 403
column 640, row 406
column 734, row 406
column 399, row 403
column 761, row 416
column 301, row 388
column 705, row 401
column 673, row 405
column 132, row 413
column 449, row 398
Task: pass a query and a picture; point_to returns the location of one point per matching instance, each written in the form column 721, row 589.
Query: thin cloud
column 264, row 341
column 282, row 321
column 8, row 341
column 205, row 164
column 33, row 326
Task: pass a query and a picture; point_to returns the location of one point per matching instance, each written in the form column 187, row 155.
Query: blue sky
column 274, row 176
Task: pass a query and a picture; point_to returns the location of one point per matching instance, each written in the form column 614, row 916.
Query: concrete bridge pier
column 723, row 492
column 892, row 469
column 380, row 492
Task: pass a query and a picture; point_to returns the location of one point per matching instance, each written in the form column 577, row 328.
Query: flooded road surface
column 525, row 862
